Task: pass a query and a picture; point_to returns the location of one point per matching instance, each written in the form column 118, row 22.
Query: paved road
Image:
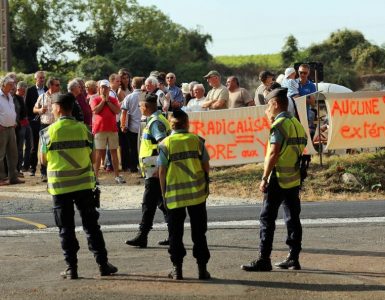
column 313, row 210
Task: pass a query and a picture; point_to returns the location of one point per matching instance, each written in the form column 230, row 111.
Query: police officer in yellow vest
column 183, row 171
column 280, row 183
column 157, row 128
column 67, row 151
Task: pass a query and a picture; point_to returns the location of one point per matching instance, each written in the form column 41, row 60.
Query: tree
column 289, row 51
column 97, row 67
column 36, row 28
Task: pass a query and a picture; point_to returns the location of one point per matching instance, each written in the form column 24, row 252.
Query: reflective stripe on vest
column 148, row 143
column 287, row 166
column 69, row 166
column 185, row 179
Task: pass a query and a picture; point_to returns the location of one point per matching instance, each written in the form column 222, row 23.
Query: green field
column 269, row 60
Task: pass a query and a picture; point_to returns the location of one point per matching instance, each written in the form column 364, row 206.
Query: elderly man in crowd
column 43, row 107
column 151, row 84
column 8, row 146
column 33, row 93
column 176, row 95
column 238, row 97
column 218, row 96
column 195, row 104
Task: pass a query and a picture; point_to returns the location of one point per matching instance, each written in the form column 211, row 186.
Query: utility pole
column 5, row 46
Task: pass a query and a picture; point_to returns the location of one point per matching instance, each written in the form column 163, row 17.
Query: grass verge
column 323, row 183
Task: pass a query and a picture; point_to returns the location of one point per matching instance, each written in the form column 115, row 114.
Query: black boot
column 107, row 269
column 176, row 272
column 262, row 264
column 139, row 241
column 165, row 242
column 291, row 262
column 70, row 273
column 203, row 274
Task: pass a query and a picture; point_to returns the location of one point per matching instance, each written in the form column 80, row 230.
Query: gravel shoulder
column 33, row 196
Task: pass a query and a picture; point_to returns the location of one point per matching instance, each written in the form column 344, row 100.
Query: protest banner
column 356, row 120
column 237, row 136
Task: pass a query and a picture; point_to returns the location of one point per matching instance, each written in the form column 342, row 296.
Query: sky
column 245, row 27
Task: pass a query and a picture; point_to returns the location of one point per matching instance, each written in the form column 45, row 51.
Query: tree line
column 105, row 35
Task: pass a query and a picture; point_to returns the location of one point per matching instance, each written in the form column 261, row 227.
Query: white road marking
column 162, row 226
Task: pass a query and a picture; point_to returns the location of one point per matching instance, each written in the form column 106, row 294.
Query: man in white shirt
column 195, row 104
column 8, row 145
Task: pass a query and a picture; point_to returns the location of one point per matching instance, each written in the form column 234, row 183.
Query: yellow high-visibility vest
column 148, row 145
column 69, row 167
column 287, row 166
column 185, row 178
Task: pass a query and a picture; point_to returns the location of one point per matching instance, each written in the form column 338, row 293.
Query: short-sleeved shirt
column 162, row 159
column 131, row 105
column 176, row 93
column 239, row 98
column 45, row 100
column 195, row 105
column 219, row 93
column 157, row 129
column 105, row 120
column 259, row 97
column 292, row 87
column 276, row 137
column 7, row 110
column 307, row 88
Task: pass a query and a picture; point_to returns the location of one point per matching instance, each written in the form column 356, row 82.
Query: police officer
column 183, row 172
column 280, row 183
column 67, row 151
column 157, row 128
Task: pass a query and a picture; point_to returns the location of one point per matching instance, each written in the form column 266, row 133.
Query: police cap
column 278, row 92
column 64, row 98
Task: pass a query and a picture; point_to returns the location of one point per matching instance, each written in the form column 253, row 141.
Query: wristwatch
column 265, row 178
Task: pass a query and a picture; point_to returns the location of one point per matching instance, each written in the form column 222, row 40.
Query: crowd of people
column 81, row 130
column 115, row 121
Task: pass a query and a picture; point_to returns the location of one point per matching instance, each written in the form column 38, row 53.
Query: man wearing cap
column 183, row 172
column 8, row 145
column 105, row 108
column 157, row 128
column 218, row 96
column 266, row 78
column 280, row 183
column 67, row 151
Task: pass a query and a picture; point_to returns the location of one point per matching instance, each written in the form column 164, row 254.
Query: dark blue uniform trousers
column 152, row 198
column 63, row 208
column 198, row 221
column 273, row 198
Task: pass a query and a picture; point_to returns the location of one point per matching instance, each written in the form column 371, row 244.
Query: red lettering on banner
column 264, row 145
column 198, row 127
column 355, row 107
column 220, row 151
column 250, row 153
column 372, row 130
column 223, row 126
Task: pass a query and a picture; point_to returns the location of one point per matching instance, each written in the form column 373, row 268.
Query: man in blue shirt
column 307, row 87
column 175, row 93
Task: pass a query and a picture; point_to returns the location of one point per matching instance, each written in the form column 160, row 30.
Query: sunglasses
column 171, row 77
column 303, row 73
